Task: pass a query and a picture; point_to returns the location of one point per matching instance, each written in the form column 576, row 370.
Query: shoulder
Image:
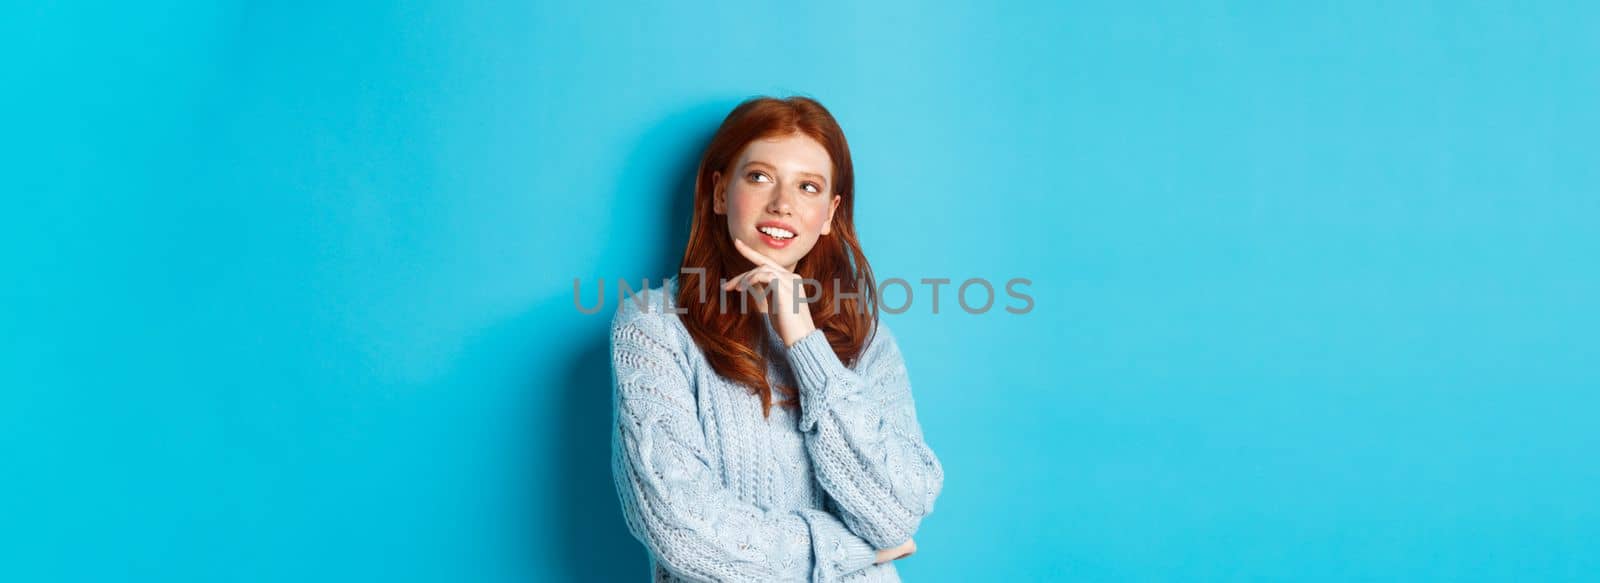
column 650, row 363
column 881, row 351
column 647, row 316
column 882, row 339
column 648, row 307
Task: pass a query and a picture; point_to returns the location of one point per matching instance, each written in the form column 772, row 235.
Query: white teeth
column 776, row 232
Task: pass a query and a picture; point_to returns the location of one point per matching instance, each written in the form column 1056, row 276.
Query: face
column 778, row 196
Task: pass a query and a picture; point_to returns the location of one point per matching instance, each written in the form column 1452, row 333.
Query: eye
column 811, row 187
column 758, row 177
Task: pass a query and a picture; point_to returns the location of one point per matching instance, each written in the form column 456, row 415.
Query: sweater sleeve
column 865, row 442
column 674, row 501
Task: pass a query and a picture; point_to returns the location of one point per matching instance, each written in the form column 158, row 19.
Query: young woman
column 764, row 430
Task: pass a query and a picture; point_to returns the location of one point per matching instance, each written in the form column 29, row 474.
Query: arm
column 862, row 433
column 673, row 500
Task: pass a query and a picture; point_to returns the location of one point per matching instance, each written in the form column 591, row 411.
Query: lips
column 776, row 234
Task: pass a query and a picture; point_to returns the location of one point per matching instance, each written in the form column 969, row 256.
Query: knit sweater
column 717, row 492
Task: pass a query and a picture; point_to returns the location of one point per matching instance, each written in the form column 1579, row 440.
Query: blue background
column 288, row 286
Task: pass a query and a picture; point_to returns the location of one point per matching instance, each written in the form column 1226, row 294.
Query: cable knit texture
column 716, row 492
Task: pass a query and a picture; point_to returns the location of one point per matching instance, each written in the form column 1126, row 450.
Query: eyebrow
column 812, row 174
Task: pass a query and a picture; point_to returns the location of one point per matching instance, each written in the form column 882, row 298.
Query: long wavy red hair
column 734, row 341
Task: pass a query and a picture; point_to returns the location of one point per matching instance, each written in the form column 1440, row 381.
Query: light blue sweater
column 716, row 492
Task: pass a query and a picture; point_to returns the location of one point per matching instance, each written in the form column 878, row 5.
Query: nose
column 782, row 202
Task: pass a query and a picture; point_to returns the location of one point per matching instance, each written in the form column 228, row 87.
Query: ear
column 833, row 205
column 718, row 205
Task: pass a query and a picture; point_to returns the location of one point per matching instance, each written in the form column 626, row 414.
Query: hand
column 905, row 549
column 770, row 280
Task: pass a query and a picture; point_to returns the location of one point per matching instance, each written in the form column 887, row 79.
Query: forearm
column 676, row 503
column 865, row 444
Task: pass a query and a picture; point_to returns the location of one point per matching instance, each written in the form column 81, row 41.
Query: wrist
column 790, row 338
column 794, row 324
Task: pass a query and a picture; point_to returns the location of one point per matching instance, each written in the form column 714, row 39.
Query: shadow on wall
column 596, row 543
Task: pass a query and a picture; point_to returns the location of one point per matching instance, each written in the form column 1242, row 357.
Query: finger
column 751, row 285
column 760, row 284
column 737, row 279
column 766, row 277
column 761, row 274
column 742, row 286
column 741, row 283
column 758, row 278
column 755, row 256
column 765, row 274
column 732, row 283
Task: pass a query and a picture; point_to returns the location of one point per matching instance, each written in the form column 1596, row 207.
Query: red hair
column 733, row 340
